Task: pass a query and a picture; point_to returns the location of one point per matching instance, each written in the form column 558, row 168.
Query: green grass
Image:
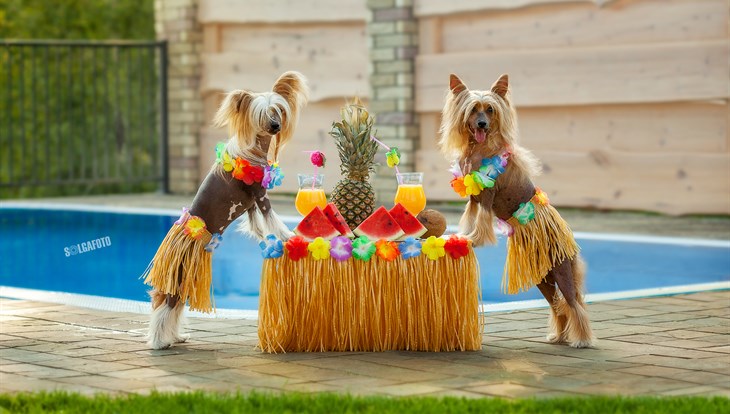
column 255, row 402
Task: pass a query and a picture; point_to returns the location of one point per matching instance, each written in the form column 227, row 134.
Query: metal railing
column 89, row 115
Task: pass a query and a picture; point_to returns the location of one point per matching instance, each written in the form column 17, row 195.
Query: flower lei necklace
column 476, row 181
column 269, row 176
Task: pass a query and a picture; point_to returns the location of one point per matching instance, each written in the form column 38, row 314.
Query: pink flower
column 317, row 158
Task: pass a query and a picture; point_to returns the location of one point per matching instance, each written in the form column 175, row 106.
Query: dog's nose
column 482, row 124
column 275, row 126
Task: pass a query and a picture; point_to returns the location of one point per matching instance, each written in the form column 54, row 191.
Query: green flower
column 363, row 249
column 525, row 213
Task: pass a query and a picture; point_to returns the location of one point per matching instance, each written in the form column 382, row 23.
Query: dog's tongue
column 480, row 135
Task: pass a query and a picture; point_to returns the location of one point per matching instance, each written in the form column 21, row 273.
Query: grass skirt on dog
column 535, row 248
column 413, row 304
column 182, row 267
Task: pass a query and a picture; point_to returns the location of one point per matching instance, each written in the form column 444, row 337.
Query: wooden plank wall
column 625, row 102
column 248, row 44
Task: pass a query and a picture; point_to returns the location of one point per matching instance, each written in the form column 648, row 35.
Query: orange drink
column 310, row 194
column 410, row 192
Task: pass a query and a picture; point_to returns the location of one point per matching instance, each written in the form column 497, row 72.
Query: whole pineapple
column 353, row 195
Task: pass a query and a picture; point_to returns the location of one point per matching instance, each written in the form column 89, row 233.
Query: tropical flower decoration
column 433, row 247
column 184, row 216
column 541, row 197
column 392, row 157
column 215, row 240
column 503, row 227
column 194, row 227
column 457, row 247
column 271, row 247
column 320, row 248
column 363, row 249
column 410, row 247
column 472, row 187
column 386, row 250
column 244, row 171
column 341, row 248
column 223, row 158
column 525, row 213
column 272, row 176
column 296, row 248
column 457, row 183
column 317, row 158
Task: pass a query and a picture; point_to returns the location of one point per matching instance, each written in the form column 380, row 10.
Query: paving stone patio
column 678, row 345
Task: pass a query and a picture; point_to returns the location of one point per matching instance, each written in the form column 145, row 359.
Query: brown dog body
column 481, row 124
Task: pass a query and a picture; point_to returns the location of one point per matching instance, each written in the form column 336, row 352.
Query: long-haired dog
column 260, row 125
column 479, row 131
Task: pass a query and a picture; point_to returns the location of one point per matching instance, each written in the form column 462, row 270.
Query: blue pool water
column 37, row 247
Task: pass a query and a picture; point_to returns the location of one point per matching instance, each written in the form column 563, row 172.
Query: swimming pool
column 102, row 252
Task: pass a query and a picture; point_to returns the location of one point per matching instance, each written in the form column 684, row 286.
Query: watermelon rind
column 339, row 223
column 316, row 224
column 410, row 225
column 380, row 225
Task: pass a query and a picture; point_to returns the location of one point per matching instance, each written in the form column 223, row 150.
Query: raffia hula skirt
column 183, row 267
column 413, row 304
column 534, row 248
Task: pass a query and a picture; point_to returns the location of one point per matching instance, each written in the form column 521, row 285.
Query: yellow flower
column 227, row 162
column 194, row 227
column 320, row 248
column 433, row 247
column 472, row 187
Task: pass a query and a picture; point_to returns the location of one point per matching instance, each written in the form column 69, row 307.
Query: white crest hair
column 247, row 114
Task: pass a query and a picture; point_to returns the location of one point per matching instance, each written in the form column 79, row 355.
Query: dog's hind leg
column 164, row 329
column 556, row 319
column 569, row 276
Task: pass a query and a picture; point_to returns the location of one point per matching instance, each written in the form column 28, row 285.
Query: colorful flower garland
column 476, row 181
column 361, row 248
column 269, row 176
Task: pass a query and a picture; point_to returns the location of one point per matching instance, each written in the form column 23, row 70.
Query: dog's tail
column 263, row 220
column 476, row 224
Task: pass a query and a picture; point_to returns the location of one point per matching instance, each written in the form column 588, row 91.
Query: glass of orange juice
column 410, row 192
column 310, row 194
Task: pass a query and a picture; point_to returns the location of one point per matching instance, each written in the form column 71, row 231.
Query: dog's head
column 473, row 118
column 254, row 116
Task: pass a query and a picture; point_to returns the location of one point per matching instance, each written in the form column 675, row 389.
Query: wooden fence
column 625, row 102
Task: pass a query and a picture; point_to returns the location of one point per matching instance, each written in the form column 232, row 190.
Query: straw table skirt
column 413, row 304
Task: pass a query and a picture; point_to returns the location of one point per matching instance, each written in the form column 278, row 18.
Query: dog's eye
column 489, row 110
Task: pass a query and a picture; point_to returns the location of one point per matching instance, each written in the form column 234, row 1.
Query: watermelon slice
column 380, row 225
column 407, row 221
column 334, row 216
column 316, row 225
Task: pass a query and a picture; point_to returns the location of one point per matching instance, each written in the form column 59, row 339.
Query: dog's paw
column 182, row 338
column 554, row 338
column 582, row 344
column 157, row 344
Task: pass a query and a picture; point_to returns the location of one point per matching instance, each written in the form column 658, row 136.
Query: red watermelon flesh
column 316, row 225
column 407, row 221
column 380, row 225
column 334, row 216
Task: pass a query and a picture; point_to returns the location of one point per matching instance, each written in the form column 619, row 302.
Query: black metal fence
column 82, row 117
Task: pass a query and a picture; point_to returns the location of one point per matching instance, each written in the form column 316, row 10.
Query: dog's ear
column 501, row 86
column 292, row 86
column 234, row 113
column 456, row 85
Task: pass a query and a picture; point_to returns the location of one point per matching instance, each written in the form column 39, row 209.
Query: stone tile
column 506, row 390
column 138, row 373
column 699, row 390
column 697, row 377
column 401, row 390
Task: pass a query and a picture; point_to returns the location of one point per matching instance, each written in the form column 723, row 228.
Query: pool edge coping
column 139, row 307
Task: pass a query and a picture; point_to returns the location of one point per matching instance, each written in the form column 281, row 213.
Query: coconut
column 434, row 221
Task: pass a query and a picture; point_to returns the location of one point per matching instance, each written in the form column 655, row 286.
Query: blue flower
column 272, row 176
column 493, row 167
column 271, row 247
column 215, row 240
column 410, row 247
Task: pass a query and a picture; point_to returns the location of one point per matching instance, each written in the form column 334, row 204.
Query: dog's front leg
column 476, row 222
column 272, row 223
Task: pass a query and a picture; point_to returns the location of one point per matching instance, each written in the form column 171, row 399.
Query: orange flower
column 387, row 250
column 458, row 185
column 244, row 171
column 541, row 197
